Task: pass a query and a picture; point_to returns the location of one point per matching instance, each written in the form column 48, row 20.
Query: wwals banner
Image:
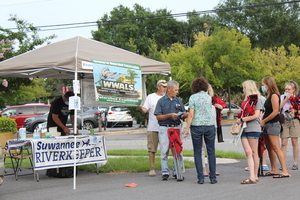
column 59, row 152
column 118, row 83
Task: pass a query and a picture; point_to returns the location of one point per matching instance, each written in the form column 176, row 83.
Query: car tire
column 130, row 124
column 87, row 125
column 35, row 126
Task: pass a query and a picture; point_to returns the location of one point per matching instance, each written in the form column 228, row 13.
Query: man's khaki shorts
column 152, row 141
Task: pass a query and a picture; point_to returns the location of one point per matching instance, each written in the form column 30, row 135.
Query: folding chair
column 8, row 155
column 176, row 148
column 16, row 156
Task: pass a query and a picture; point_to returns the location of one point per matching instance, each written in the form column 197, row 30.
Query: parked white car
column 118, row 115
column 234, row 108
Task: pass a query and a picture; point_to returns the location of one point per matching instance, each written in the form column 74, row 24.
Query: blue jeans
column 209, row 134
column 164, row 147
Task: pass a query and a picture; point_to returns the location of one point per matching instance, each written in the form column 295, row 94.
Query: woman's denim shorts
column 250, row 135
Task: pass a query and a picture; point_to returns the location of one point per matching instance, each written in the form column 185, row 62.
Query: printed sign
column 117, row 82
column 51, row 153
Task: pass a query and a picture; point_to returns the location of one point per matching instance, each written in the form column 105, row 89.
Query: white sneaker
column 152, row 172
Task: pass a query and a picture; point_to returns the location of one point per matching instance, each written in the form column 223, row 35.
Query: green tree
column 225, row 58
column 24, row 39
column 228, row 54
column 196, row 24
column 139, row 27
column 266, row 26
column 280, row 63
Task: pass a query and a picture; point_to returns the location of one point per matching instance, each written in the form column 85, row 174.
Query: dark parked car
column 90, row 119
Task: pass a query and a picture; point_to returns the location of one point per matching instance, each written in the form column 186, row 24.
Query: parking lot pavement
column 112, row 186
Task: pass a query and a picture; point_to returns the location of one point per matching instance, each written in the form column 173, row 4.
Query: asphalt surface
column 112, row 186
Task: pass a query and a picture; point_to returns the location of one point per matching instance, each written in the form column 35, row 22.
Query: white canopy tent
column 64, row 60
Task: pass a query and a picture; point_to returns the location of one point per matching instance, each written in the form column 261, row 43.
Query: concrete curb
column 119, row 132
column 227, row 122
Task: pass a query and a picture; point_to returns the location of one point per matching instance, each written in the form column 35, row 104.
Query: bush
column 8, row 125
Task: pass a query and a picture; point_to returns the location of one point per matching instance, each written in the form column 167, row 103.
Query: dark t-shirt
column 165, row 106
column 269, row 110
column 59, row 108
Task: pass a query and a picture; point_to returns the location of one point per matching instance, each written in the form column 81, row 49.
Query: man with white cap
column 153, row 126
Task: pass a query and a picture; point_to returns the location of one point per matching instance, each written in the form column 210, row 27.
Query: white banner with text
column 60, row 151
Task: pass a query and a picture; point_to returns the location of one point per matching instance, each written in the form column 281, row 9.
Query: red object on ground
column 131, row 185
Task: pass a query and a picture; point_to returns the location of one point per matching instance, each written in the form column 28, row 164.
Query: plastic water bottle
column 22, row 133
column 36, row 134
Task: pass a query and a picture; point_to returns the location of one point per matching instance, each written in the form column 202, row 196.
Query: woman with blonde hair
column 251, row 107
column 272, row 127
column 290, row 127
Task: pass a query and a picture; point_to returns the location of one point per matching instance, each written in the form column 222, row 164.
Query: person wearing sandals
column 290, row 127
column 201, row 124
column 272, row 127
column 251, row 107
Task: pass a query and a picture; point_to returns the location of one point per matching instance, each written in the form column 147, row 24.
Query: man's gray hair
column 172, row 83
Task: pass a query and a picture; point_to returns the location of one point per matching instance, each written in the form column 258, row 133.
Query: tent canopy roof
column 62, row 59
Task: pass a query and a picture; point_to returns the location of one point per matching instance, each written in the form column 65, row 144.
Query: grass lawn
column 132, row 161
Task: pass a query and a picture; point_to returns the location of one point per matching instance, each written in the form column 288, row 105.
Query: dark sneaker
column 213, row 181
column 165, row 177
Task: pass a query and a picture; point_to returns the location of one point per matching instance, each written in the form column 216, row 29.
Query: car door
column 23, row 113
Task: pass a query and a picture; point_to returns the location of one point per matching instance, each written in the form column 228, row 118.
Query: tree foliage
column 138, row 27
column 266, row 26
column 24, row 39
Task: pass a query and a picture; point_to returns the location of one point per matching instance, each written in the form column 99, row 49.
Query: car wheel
column 87, row 125
column 130, row 124
column 35, row 126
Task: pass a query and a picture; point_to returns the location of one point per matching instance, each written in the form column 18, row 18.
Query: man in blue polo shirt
column 169, row 112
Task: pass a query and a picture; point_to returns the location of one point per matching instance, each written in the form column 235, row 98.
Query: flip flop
column 295, row 167
column 282, row 176
column 206, row 175
column 270, row 174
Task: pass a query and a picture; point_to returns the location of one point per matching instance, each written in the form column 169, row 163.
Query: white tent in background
column 62, row 59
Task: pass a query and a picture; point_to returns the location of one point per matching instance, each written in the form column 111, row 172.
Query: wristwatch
column 241, row 119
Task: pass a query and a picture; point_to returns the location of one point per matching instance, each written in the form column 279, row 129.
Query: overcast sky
column 52, row 12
